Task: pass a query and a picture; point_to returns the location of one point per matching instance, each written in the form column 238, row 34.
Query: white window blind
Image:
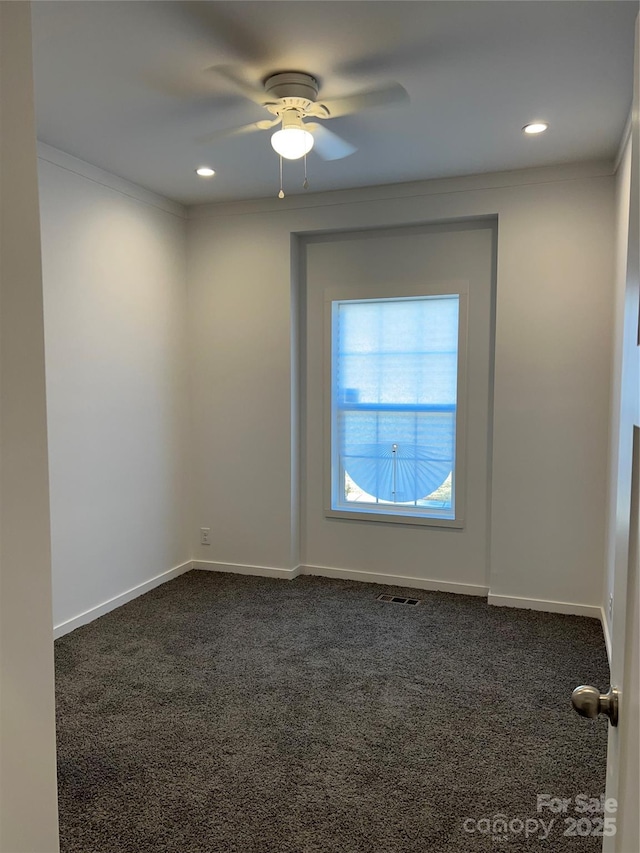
column 394, row 404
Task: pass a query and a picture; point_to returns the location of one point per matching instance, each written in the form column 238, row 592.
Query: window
column 396, row 376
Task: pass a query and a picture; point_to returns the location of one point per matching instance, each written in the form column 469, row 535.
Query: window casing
column 395, row 394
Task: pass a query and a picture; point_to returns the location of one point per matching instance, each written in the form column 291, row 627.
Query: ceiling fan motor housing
column 292, row 85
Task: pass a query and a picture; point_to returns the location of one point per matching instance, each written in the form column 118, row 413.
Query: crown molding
column 385, row 192
column 49, row 154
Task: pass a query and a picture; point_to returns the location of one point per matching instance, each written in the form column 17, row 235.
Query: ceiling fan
column 292, row 97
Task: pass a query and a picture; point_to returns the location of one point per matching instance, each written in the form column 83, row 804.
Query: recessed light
column 205, row 172
column 535, row 127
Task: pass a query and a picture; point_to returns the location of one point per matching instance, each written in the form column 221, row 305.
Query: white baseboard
column 242, row 569
column 607, row 633
column 394, row 580
column 118, row 600
column 341, row 574
column 545, row 606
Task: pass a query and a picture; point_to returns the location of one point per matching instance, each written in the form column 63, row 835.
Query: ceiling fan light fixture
column 535, row 127
column 292, row 143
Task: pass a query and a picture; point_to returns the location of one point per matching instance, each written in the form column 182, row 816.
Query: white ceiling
column 125, row 86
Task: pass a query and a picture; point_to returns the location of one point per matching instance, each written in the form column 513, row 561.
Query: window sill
column 384, row 516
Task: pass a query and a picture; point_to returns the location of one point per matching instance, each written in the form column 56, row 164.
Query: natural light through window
column 394, row 405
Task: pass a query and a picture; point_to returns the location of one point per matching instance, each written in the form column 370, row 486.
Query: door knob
column 589, row 702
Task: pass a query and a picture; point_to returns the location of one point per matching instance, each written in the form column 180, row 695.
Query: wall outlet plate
column 205, row 536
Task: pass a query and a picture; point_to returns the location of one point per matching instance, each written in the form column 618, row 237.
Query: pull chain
column 305, row 183
column 281, row 193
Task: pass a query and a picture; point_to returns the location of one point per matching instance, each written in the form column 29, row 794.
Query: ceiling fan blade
column 406, row 56
column 191, row 87
column 225, row 30
column 235, row 131
column 328, row 144
column 255, row 93
column 392, row 94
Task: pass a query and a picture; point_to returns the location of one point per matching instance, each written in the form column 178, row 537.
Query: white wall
column 552, row 356
column 28, row 797
column 117, row 387
column 553, row 350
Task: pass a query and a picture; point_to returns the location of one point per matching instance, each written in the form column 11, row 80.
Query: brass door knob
column 589, row 702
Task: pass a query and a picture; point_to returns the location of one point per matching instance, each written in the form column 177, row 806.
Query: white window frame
column 386, row 512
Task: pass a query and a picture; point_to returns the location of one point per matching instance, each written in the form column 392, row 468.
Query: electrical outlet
column 205, row 536
column 611, row 606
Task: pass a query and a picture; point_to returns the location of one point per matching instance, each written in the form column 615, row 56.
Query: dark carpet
column 230, row 714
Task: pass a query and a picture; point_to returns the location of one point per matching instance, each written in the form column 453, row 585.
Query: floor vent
column 398, row 599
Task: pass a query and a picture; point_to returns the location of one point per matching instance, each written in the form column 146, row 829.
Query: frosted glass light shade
column 535, row 127
column 292, row 143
